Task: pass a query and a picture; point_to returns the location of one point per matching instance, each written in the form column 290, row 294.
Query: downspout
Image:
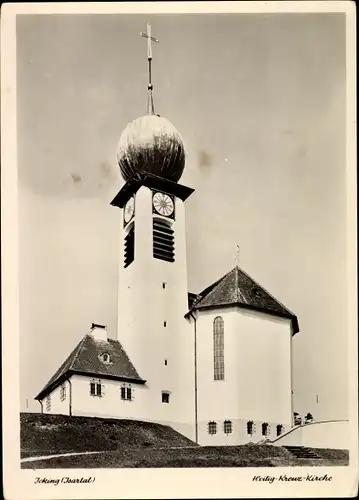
column 70, row 397
column 195, row 378
column 42, row 406
column 291, row 376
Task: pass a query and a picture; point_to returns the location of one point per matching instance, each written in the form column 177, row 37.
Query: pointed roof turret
column 237, row 288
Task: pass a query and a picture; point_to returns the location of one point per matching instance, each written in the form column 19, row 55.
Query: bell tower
column 153, row 294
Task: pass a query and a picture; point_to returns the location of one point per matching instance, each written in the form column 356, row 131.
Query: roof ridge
column 240, row 294
column 79, row 348
column 266, row 291
column 236, row 283
column 210, row 288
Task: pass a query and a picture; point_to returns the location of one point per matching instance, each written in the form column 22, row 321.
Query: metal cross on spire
column 150, row 39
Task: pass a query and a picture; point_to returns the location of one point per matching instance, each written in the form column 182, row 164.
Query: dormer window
column 105, row 358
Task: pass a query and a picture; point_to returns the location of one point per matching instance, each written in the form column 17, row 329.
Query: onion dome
column 151, row 144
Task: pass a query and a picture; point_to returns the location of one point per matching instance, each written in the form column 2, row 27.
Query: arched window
column 218, row 348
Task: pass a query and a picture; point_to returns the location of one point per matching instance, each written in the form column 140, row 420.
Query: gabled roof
column 238, row 288
column 85, row 360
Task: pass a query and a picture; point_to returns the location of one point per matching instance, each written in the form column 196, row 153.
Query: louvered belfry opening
column 129, row 246
column 163, row 240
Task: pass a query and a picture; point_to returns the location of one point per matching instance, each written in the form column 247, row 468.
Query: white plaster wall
column 331, row 434
column 144, row 305
column 58, row 406
column 257, row 383
column 110, row 403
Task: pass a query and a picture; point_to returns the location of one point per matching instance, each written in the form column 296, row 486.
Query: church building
column 216, row 365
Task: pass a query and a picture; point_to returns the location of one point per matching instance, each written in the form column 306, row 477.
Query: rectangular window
column 250, row 427
column 165, row 362
column 227, row 427
column 165, row 324
column 279, row 429
column 95, row 389
column 126, row 393
column 212, row 428
column 165, row 397
column 63, row 392
column 264, row 429
column 48, row 403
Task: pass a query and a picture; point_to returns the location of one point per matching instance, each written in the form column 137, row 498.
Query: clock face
column 129, row 209
column 163, row 204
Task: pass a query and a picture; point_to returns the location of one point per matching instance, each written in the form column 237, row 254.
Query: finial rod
column 150, row 39
column 237, row 255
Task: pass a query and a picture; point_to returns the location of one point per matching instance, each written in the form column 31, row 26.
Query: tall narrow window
column 62, row 392
column 130, row 246
column 264, row 429
column 250, row 428
column 48, row 403
column 279, row 429
column 218, row 348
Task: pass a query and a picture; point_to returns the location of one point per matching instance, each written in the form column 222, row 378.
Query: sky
column 259, row 100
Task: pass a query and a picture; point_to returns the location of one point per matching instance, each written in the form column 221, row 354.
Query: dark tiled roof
column 238, row 288
column 191, row 299
column 84, row 359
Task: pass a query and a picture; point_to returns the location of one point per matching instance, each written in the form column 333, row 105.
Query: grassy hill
column 129, row 443
column 42, row 434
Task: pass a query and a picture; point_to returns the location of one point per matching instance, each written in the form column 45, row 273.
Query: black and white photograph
column 178, row 208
